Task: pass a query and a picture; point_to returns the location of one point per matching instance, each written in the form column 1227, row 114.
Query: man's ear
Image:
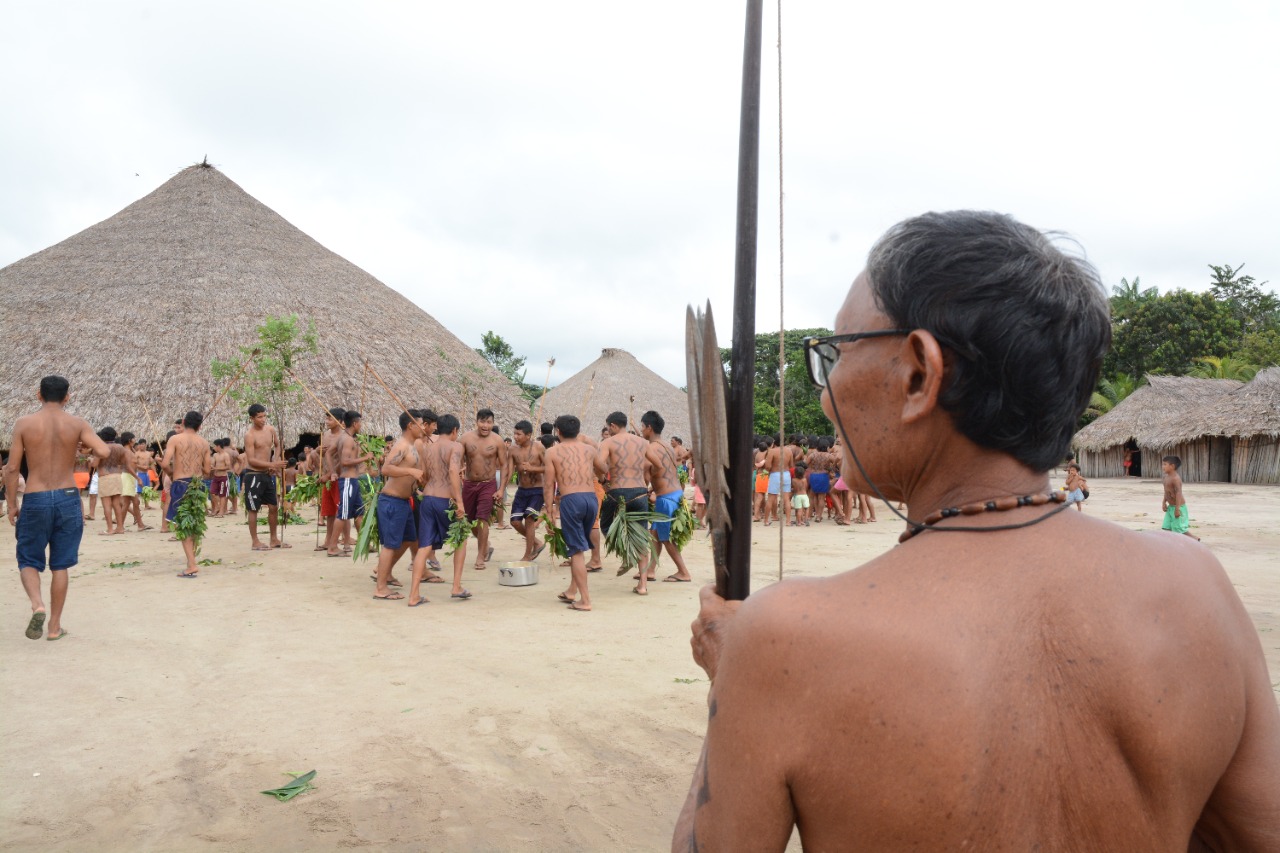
column 923, row 372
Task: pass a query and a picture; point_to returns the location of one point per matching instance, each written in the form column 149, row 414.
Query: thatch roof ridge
column 1165, row 411
column 139, row 304
column 617, row 375
column 1252, row 409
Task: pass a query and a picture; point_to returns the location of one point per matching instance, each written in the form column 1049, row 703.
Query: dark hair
column 256, row 409
column 222, row 442
column 193, row 419
column 1073, row 466
column 568, row 426
column 548, row 441
column 484, row 415
column 524, row 427
column 107, row 434
column 405, row 420
column 425, row 415
column 1023, row 325
column 349, row 417
column 53, row 389
column 1173, row 460
column 126, row 438
column 653, row 421
column 547, row 427
column 447, row 424
column 678, row 440
column 800, row 469
column 617, row 419
column 338, row 413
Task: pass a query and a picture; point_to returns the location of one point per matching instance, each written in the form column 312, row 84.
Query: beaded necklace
column 994, row 505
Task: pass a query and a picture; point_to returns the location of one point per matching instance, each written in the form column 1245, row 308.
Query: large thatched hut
column 1250, row 417
column 1164, row 417
column 609, row 384
column 134, row 309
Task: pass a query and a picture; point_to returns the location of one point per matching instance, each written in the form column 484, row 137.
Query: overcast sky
column 564, row 173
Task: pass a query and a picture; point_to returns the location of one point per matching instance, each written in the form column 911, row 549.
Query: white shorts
column 93, row 484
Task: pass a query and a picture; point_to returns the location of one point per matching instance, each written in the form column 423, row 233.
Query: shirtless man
column 264, row 459
column 1118, row 700
column 350, row 468
column 778, row 461
column 397, row 525
column 233, row 476
column 145, row 461
column 1174, row 505
column 110, row 485
column 819, row 464
column 186, row 457
column 571, row 469
column 327, row 474
column 221, row 468
column 622, row 460
column 667, row 494
column 483, row 456
column 441, row 482
column 528, row 459
column 50, row 522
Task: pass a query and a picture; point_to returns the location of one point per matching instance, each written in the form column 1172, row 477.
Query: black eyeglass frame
column 810, row 347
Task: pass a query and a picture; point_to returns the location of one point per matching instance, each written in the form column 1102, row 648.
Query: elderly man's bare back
column 972, row 691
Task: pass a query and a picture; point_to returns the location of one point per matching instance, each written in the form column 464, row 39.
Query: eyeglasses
column 820, row 353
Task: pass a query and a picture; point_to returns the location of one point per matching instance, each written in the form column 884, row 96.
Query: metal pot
column 518, row 573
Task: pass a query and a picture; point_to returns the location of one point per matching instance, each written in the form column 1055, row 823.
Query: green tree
column 1253, row 308
column 1109, row 394
column 281, row 346
column 1228, row 367
column 804, row 403
column 499, row 353
column 1127, row 297
column 1169, row 332
column 1260, row 348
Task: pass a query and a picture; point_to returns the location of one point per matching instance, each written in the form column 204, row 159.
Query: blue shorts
column 177, row 489
column 433, row 521
column 1075, row 496
column 667, row 505
column 350, row 503
column 577, row 518
column 396, row 524
column 779, row 477
column 527, row 502
column 52, row 520
column 819, row 482
column 144, row 480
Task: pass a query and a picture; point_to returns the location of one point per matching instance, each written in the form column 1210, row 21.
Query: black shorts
column 259, row 490
column 637, row 500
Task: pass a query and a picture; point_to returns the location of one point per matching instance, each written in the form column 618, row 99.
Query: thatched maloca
column 607, row 385
column 141, row 303
column 1223, row 430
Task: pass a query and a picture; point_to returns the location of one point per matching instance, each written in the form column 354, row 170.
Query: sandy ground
column 502, row 723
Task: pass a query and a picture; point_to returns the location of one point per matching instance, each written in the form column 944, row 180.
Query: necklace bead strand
column 993, row 505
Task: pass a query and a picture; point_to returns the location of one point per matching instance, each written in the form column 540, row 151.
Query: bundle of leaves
column 459, row 530
column 555, row 537
column 149, row 494
column 375, row 444
column 233, row 485
column 683, row 525
column 189, row 520
column 291, row 518
column 306, row 490
column 495, row 514
column 682, row 473
column 368, row 538
column 628, row 536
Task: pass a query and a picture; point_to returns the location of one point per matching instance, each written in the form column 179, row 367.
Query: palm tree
column 1227, row 367
column 1109, row 394
column 1127, row 296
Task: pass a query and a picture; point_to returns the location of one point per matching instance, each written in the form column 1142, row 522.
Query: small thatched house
column 133, row 310
column 1164, row 417
column 1250, row 417
column 618, row 382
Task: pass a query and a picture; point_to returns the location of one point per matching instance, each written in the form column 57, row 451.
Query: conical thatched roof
column 1252, row 409
column 141, row 303
column 1165, row 411
column 618, row 375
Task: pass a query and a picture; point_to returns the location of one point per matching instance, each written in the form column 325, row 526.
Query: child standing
column 1076, row 486
column 1176, row 517
column 800, row 495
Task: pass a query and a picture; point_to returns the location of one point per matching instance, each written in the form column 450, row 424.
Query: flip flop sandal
column 188, row 574
column 64, row 633
column 575, row 606
column 488, row 554
column 35, row 628
column 676, row 579
column 638, row 591
column 421, row 601
column 395, row 596
column 464, row 595
column 435, row 579
column 566, row 599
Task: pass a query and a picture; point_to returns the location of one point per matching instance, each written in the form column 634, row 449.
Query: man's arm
column 11, row 473
column 600, row 462
column 90, row 439
column 455, row 475
column 166, row 461
column 549, row 483
column 391, row 466
column 206, row 461
column 739, row 799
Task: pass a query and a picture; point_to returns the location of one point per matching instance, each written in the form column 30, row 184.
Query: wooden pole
column 393, row 394
column 586, row 398
column 314, row 398
column 741, row 403
column 233, row 381
column 550, row 363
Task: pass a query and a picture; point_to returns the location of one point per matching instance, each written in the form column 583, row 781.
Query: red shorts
column 477, row 499
column 329, row 499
